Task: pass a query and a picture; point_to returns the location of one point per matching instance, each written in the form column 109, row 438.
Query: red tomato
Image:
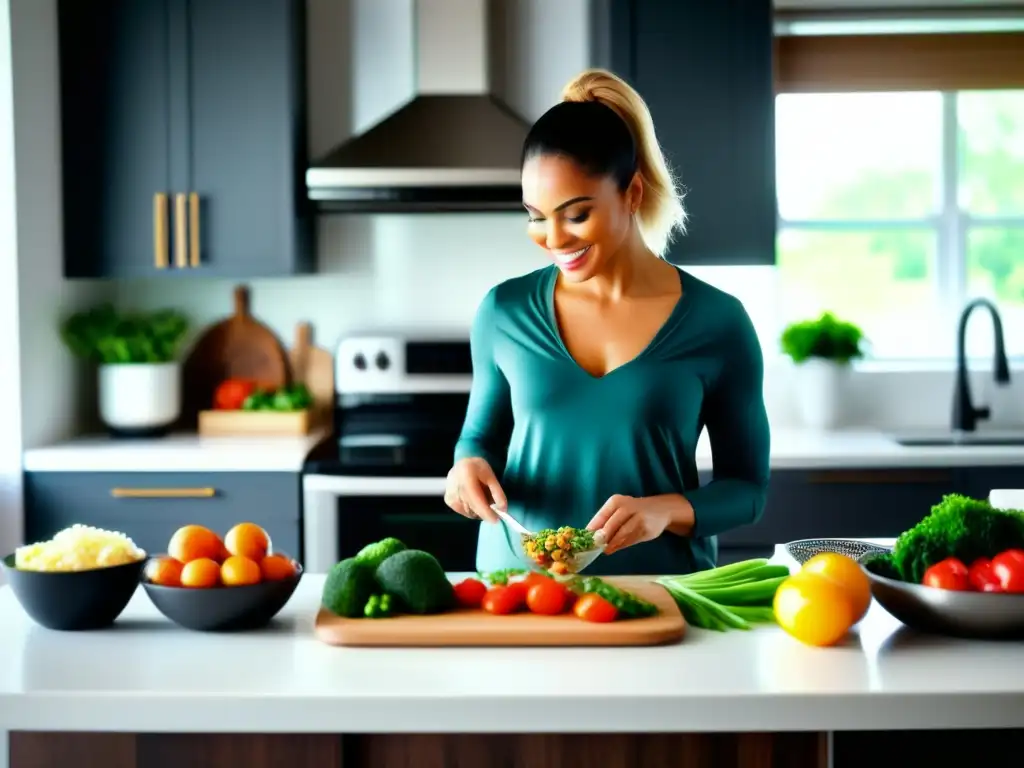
column 470, row 593
column 1013, row 554
column 519, row 590
column 1008, row 567
column 547, row 597
column 982, row 577
column 501, row 600
column 947, row 574
column 231, row 394
column 591, row 607
column 533, row 577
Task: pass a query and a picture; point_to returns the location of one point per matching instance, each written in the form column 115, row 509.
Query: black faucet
column 965, row 415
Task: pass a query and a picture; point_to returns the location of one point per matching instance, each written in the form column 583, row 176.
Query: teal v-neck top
column 562, row 441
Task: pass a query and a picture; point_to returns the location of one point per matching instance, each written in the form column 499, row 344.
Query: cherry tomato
column 547, row 597
column 982, row 577
column 533, row 577
column 1013, row 554
column 470, row 593
column 1008, row 567
column 501, row 600
column 518, row 589
column 231, row 394
column 591, row 607
column 947, row 574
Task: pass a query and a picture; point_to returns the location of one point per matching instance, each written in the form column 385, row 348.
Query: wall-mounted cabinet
column 184, row 138
column 705, row 70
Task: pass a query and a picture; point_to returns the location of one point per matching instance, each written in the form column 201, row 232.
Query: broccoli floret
column 348, row 586
column 417, row 579
column 376, row 553
column 958, row 526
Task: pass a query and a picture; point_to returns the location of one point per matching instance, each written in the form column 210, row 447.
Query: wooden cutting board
column 238, row 347
column 478, row 628
column 313, row 366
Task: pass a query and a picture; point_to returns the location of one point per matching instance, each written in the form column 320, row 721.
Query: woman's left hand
column 627, row 520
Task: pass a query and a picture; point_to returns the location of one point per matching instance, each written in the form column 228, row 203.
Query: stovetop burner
column 395, row 457
column 400, row 416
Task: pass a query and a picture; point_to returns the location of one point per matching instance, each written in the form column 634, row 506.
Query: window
column 896, row 208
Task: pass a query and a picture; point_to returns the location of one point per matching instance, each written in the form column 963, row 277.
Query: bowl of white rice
column 80, row 579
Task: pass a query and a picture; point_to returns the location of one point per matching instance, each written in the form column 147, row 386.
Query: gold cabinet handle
column 160, row 230
column 162, row 493
column 193, row 229
column 180, row 232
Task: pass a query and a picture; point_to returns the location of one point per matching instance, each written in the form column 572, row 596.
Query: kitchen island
column 146, row 693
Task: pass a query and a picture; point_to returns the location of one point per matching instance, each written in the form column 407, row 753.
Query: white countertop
column 174, row 453
column 868, row 448
column 148, row 675
column 791, row 449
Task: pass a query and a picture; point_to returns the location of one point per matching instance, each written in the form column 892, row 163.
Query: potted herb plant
column 139, row 371
column 822, row 350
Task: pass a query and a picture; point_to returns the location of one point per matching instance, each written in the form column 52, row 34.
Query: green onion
column 755, row 614
column 734, row 596
column 750, row 593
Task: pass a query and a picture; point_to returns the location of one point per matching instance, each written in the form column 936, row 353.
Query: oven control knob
column 359, row 362
column 383, row 361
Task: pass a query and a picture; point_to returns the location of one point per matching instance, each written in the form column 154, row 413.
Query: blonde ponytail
column 661, row 213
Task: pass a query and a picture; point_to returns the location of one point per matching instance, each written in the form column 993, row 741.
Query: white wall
column 41, row 388
column 431, row 270
column 10, row 384
column 391, row 270
column 425, row 271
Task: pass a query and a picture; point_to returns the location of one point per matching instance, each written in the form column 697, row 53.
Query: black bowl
column 74, row 600
column 223, row 609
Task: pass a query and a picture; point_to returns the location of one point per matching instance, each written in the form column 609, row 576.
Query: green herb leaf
column 103, row 335
column 827, row 338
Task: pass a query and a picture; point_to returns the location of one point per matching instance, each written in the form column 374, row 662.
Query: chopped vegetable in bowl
column 564, row 550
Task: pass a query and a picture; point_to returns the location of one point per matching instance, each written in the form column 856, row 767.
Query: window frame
column 950, row 225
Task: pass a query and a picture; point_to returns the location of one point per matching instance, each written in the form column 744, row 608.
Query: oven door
column 343, row 514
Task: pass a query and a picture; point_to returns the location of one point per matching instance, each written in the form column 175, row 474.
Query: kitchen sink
column 958, row 440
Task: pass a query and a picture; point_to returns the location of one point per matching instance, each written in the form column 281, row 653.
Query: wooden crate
column 233, row 423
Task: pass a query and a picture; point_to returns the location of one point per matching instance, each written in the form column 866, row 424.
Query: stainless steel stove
column 399, row 405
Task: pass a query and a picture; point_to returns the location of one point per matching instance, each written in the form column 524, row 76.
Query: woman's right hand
column 472, row 487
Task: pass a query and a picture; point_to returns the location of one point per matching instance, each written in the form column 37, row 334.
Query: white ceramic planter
column 140, row 398
column 821, row 392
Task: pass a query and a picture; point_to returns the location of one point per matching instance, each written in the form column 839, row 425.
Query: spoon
column 515, row 524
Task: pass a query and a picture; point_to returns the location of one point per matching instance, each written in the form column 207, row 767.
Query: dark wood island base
column 716, row 750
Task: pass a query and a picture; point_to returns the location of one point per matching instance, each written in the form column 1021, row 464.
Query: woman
column 593, row 377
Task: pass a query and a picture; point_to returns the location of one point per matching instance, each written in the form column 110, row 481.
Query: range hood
column 453, row 147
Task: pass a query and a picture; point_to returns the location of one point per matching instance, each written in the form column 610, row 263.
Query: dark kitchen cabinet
column 840, row 503
column 150, row 506
column 183, row 138
column 705, row 70
column 980, row 481
column 855, row 503
column 845, row 503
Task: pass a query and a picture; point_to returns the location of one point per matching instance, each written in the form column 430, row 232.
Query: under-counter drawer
column 150, row 506
column 845, row 503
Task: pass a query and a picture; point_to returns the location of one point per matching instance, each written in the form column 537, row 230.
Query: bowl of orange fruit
column 208, row 583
